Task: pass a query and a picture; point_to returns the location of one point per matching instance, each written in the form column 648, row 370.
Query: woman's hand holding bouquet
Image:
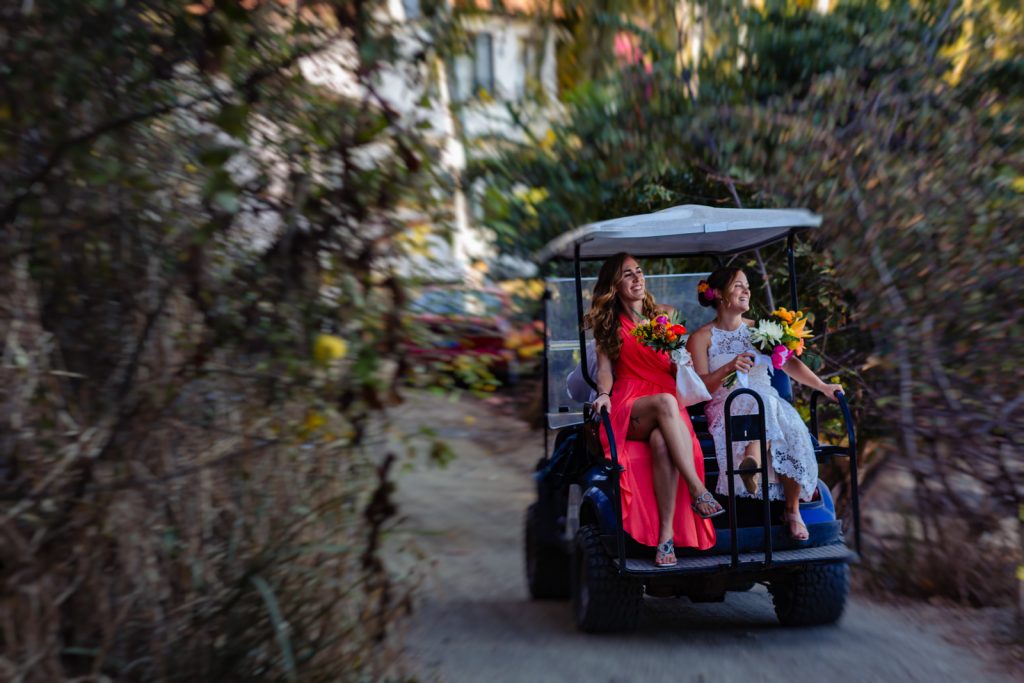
column 779, row 337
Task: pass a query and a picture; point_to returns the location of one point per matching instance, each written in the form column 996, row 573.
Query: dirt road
column 475, row 621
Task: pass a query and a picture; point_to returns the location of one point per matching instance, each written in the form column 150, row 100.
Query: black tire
column 547, row 567
column 602, row 600
column 814, row 596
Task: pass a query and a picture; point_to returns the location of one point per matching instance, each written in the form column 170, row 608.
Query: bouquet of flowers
column 780, row 336
column 667, row 334
column 662, row 333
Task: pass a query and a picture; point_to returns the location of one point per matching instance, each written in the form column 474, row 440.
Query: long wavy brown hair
column 605, row 307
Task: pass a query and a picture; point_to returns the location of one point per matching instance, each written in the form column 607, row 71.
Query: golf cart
column 576, row 545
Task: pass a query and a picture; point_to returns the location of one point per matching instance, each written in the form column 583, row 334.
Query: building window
column 483, row 60
column 474, row 72
column 461, row 80
column 527, row 71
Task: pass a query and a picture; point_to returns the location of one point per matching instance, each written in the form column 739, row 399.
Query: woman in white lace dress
column 723, row 346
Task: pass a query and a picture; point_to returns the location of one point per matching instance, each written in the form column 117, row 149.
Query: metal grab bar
column 616, row 471
column 731, row 472
column 851, row 436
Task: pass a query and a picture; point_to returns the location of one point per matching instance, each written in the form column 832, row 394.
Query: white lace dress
column 792, row 454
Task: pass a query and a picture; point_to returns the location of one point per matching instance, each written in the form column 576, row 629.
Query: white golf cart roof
column 680, row 231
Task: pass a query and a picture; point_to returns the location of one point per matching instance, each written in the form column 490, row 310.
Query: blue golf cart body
column 576, row 546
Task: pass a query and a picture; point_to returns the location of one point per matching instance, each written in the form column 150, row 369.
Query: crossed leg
column 661, row 411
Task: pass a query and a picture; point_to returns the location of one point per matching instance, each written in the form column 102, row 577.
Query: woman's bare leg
column 796, row 528
column 666, row 482
column 662, row 412
column 752, row 480
column 790, row 486
column 792, row 489
column 753, row 450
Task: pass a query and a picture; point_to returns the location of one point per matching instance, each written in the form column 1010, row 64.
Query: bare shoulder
column 704, row 330
column 748, row 322
column 702, row 335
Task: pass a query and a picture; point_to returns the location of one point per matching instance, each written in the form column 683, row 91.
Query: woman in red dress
column 653, row 433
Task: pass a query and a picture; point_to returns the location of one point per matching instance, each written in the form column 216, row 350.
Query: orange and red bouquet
column 662, row 333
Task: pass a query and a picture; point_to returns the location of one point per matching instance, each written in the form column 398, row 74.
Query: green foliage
column 788, row 46
column 901, row 126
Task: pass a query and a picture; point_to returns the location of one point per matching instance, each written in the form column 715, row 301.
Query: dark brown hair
column 718, row 281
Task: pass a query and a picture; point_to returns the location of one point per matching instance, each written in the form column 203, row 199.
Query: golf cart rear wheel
column 602, row 600
column 813, row 596
column 547, row 567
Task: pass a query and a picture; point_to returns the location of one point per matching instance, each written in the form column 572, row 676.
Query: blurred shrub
column 198, row 305
column 913, row 165
column 901, row 126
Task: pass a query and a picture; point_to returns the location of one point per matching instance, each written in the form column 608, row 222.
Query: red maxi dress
column 641, row 371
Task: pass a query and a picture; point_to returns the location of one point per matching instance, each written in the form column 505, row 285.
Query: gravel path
column 474, row 620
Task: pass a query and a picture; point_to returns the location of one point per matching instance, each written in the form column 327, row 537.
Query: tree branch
column 10, row 210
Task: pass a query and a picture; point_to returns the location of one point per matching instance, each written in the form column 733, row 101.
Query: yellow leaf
column 548, row 141
column 313, row 421
column 328, row 347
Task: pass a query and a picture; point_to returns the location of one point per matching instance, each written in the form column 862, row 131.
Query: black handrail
column 731, row 474
column 544, row 366
column 616, row 471
column 851, row 436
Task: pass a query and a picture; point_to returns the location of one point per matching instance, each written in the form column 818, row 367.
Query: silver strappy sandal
column 707, row 499
column 666, row 555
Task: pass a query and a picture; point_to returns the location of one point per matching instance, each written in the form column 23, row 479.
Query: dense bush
column 198, row 300
column 901, row 127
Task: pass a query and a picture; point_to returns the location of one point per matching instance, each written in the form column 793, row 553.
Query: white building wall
column 480, row 115
column 488, row 115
